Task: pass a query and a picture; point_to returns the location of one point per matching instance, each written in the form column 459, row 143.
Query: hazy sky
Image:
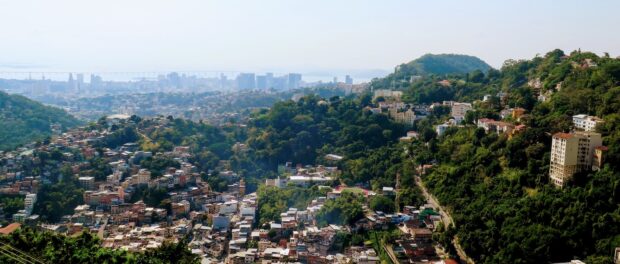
column 290, row 35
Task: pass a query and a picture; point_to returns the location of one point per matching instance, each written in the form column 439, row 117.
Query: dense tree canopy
column 382, row 203
column 497, row 187
column 11, row 204
column 346, row 209
column 58, row 199
column 273, row 200
column 85, row 248
column 432, row 64
column 23, row 120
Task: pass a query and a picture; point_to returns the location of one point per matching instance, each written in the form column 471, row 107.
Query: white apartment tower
column 29, row 202
column 572, row 153
column 586, row 122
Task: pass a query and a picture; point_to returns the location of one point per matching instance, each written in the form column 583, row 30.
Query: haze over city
column 317, row 38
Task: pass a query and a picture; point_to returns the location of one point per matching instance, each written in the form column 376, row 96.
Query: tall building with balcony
column 88, row 183
column 572, row 153
column 29, row 202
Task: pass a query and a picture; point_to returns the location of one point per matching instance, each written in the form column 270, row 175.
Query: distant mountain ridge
column 431, row 64
column 23, row 120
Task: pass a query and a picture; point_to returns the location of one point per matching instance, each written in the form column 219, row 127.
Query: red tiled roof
column 450, row 261
column 485, row 120
column 562, row 135
column 444, row 83
column 603, row 148
column 9, row 229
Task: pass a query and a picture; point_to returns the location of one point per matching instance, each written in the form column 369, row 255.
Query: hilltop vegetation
column 310, row 128
column 11, row 204
column 497, row 187
column 23, row 120
column 305, row 131
column 86, row 248
column 431, row 64
column 570, row 86
column 447, row 64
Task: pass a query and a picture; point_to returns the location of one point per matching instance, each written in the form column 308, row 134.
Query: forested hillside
column 431, row 64
column 497, row 187
column 47, row 247
column 305, row 131
column 23, row 120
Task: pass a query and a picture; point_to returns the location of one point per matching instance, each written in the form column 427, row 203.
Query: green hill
column 495, row 186
column 431, row 64
column 23, row 120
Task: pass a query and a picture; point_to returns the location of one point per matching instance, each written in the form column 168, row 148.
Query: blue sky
column 288, row 35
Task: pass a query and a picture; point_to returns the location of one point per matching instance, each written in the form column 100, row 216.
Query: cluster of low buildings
column 500, row 127
column 24, row 170
column 222, row 225
column 113, row 207
column 504, row 126
column 458, row 110
column 304, row 176
column 297, row 238
column 578, row 151
column 400, row 112
column 13, row 178
column 416, row 243
column 193, row 209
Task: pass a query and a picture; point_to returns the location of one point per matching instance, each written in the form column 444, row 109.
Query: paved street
column 446, row 218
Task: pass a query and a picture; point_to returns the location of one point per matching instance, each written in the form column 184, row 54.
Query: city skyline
column 259, row 77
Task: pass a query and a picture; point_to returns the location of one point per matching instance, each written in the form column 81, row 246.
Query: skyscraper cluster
column 249, row 81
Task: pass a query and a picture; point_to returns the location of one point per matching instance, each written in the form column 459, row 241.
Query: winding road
column 446, row 218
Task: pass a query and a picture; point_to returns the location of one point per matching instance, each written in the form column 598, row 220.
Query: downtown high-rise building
column 246, row 81
column 95, row 80
column 223, row 81
column 269, row 80
column 294, row 80
column 261, row 82
column 348, row 80
column 71, row 84
column 174, row 79
column 79, row 82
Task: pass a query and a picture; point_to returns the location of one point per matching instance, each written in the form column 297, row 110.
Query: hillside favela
column 314, row 132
